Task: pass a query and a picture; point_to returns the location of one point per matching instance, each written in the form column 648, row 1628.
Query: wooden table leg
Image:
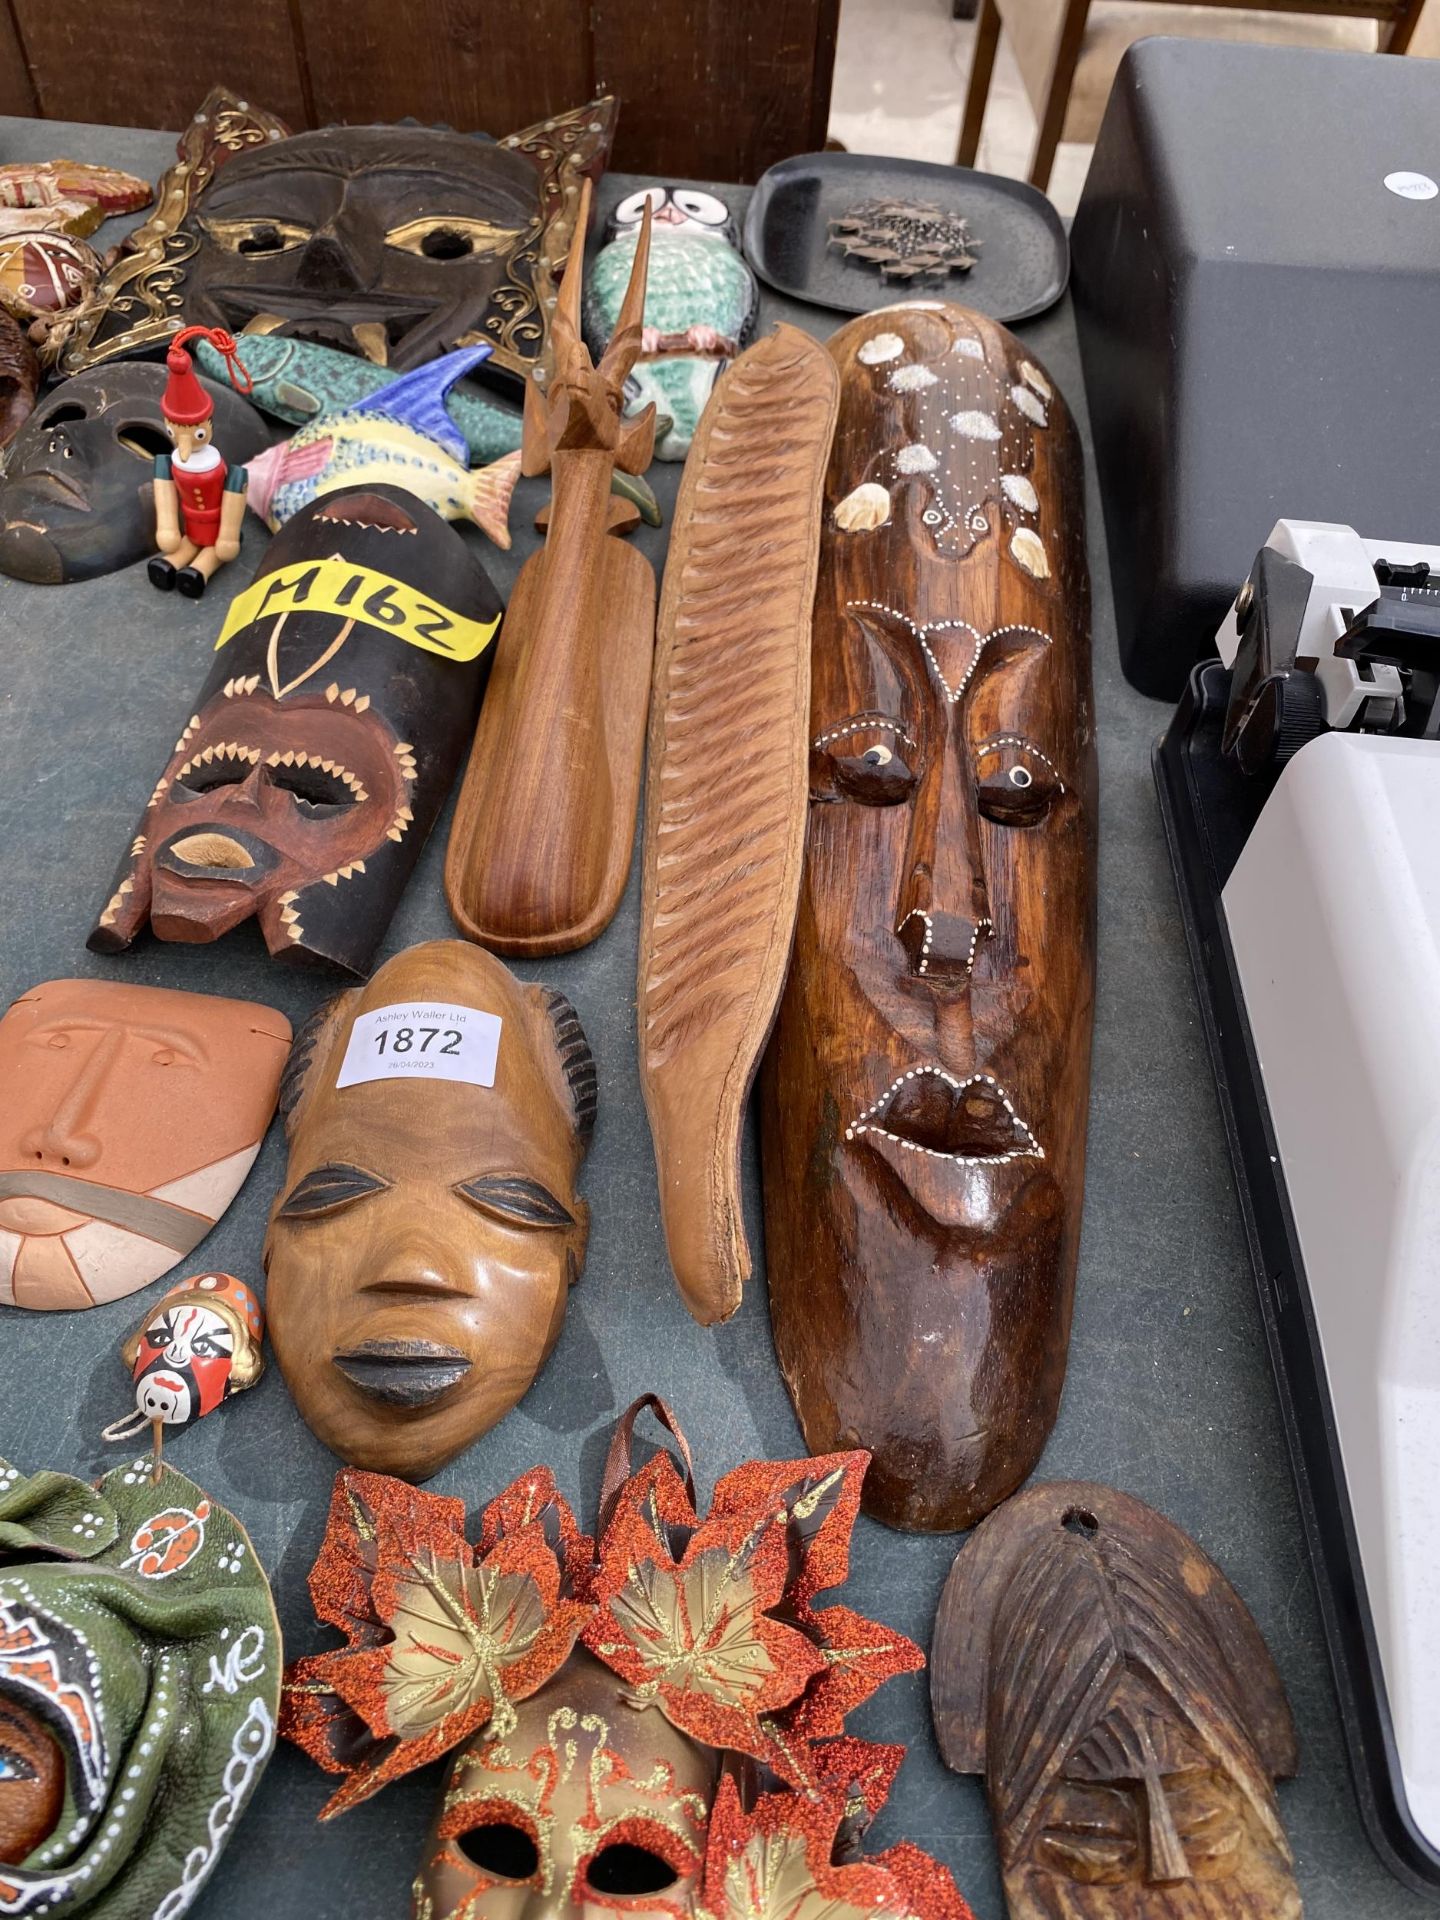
column 987, row 38
column 1057, row 94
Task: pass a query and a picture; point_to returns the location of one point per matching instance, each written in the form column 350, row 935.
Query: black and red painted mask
column 324, row 741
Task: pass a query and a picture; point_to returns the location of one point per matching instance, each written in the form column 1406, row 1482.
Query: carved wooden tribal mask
column 429, row 1230
column 1107, row 1680
column 324, row 741
column 925, row 1091
column 77, row 498
column 395, row 242
column 130, row 1120
column 139, row 1681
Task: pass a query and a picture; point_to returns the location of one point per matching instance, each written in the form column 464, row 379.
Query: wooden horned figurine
column 540, row 847
column 199, row 501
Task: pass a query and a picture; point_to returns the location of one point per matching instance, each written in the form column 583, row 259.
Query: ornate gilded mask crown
column 713, row 1621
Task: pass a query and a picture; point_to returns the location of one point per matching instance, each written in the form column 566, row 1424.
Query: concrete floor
column 901, row 69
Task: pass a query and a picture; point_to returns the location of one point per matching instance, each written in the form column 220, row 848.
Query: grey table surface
column 1169, row 1393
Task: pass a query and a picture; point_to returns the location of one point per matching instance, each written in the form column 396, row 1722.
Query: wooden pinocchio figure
column 199, row 501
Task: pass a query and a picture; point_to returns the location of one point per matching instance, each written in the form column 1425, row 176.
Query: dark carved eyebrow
column 517, row 1201
column 327, row 1189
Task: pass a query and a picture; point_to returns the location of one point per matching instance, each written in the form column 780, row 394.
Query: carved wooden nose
column 325, row 267
column 942, row 946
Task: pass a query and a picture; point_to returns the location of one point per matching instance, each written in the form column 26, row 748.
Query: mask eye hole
column 205, row 777
column 870, row 758
column 143, row 439
column 623, row 1868
column 62, row 415
column 1016, row 784
column 446, row 243
column 313, row 786
column 501, row 1849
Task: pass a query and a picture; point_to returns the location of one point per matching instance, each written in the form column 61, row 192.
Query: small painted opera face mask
column 324, row 741
column 77, row 498
column 932, row 1052
column 197, row 1347
column 601, row 1706
column 139, row 1683
column 429, row 1230
column 1148, row 1794
column 131, row 1118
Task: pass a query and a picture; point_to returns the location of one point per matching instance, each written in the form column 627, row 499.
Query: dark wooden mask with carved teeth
column 428, row 1232
column 925, row 1090
column 324, row 741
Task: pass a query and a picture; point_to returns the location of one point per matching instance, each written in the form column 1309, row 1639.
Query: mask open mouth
column 970, row 1121
column 38, row 485
column 402, row 1373
column 209, row 853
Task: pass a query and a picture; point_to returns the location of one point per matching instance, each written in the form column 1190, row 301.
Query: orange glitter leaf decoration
column 775, row 1864
column 695, row 1635
column 442, row 1637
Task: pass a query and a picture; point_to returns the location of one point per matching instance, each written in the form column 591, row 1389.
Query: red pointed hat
column 185, row 401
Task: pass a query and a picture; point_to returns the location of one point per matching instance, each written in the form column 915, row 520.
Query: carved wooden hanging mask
column 428, row 1232
column 1107, row 1680
column 395, row 242
column 77, row 499
column 925, row 1092
column 324, row 741
column 130, row 1120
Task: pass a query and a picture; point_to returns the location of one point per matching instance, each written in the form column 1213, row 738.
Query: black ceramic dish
column 1022, row 263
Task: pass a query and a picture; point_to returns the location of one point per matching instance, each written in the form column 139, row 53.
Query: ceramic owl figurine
column 700, row 303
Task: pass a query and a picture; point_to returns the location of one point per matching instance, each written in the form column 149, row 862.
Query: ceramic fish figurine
column 301, row 381
column 399, row 436
column 700, row 304
column 45, row 183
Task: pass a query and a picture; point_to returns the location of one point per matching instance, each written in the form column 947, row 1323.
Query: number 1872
column 404, row 1039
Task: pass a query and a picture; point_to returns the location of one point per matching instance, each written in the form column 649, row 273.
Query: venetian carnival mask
column 528, row 1655
column 324, row 741
column 139, row 1679
column 423, row 1246
column 925, row 1091
column 132, row 1116
column 77, row 498
column 398, row 243
column 1148, row 1792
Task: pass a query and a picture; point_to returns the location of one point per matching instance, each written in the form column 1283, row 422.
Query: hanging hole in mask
column 623, row 1868
column 144, row 440
column 502, row 1849
column 62, row 415
column 1080, row 1520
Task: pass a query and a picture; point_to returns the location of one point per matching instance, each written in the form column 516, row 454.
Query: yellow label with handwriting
column 357, row 593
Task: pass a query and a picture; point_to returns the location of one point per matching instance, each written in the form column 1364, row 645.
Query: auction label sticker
column 352, row 592
column 1412, row 186
column 429, row 1041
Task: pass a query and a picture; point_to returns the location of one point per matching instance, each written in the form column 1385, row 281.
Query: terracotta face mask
column 324, row 741
column 429, row 1230
column 132, row 1116
column 613, row 1713
column 77, row 499
column 1148, row 1792
column 925, row 1092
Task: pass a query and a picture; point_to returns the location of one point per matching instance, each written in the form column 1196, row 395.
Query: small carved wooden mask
column 131, row 1117
column 1108, row 1681
column 926, row 1088
column 77, row 498
column 599, row 1805
column 429, row 1229
column 323, row 742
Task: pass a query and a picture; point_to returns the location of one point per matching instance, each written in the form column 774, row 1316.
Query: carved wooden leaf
column 725, row 808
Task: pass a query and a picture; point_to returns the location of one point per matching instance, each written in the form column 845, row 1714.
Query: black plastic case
column 1259, row 317
column 1209, row 807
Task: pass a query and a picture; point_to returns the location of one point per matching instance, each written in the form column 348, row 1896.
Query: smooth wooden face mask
column 131, row 1118
column 1107, row 1680
column 925, row 1092
column 428, row 1232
